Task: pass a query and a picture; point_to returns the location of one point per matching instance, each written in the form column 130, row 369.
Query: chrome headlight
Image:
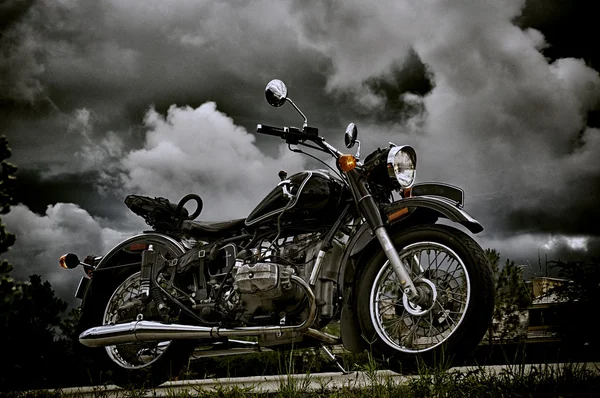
column 402, row 165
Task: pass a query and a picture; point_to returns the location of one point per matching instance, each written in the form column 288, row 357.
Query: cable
column 314, row 157
column 287, row 206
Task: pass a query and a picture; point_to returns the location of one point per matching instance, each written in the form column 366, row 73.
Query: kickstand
column 331, row 357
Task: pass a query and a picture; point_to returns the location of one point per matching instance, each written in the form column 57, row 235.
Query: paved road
column 312, row 382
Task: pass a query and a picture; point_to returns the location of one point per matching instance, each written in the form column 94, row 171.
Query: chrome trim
column 276, row 93
column 332, row 149
column 390, row 160
column 299, row 111
column 418, row 310
column 289, row 206
column 316, row 268
column 364, row 197
column 214, row 352
column 390, row 252
column 82, row 287
column 332, row 358
column 139, row 331
column 322, row 336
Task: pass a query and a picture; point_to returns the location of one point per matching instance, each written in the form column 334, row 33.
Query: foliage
column 512, row 298
column 567, row 380
column 29, row 311
column 578, row 299
column 7, row 188
column 29, row 315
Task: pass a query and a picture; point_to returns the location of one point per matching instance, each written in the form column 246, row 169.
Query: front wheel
column 448, row 267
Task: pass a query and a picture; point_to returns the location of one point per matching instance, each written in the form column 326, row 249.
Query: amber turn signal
column 347, row 162
column 61, row 261
column 69, row 261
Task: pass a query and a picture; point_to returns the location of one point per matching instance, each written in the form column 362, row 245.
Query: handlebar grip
column 270, row 130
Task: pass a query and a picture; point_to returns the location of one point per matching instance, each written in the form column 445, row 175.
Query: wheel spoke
column 130, row 356
column 406, row 326
column 437, row 262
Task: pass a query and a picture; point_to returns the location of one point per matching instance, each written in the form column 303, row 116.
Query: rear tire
column 127, row 365
column 405, row 336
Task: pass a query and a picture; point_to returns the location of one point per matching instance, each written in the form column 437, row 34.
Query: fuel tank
column 317, row 194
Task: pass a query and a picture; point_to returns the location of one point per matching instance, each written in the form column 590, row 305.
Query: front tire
column 453, row 269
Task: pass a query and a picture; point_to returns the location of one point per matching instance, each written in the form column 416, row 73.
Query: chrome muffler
column 140, row 331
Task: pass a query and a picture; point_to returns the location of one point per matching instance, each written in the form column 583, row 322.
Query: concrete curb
column 306, row 382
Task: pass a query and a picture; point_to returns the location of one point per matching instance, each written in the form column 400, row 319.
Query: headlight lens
column 402, row 165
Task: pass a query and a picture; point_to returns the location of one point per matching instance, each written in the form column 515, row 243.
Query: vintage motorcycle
column 359, row 245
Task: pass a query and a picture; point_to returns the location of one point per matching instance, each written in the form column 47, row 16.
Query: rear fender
column 109, row 260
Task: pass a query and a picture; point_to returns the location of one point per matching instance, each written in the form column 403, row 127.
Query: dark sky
column 102, row 99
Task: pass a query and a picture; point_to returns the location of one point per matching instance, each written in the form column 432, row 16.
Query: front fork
column 370, row 211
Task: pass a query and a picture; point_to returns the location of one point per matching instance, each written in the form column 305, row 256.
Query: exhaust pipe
column 140, row 331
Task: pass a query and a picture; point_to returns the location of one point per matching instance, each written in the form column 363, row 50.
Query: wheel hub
column 427, row 297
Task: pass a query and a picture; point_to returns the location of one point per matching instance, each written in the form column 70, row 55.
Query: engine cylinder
column 263, row 280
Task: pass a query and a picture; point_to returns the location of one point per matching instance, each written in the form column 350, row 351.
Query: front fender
column 403, row 213
column 413, row 211
column 440, row 206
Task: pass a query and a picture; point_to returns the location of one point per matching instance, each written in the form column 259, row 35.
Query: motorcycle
column 359, row 244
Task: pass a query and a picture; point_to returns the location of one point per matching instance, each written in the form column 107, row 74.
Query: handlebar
column 270, row 130
column 291, row 135
column 294, row 136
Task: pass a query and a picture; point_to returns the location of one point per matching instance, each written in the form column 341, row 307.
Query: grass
column 519, row 380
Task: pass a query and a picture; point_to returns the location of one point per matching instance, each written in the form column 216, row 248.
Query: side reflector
column 347, row 162
column 407, row 192
column 397, row 214
column 136, row 247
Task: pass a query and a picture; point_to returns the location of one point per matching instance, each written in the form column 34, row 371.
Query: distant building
column 546, row 309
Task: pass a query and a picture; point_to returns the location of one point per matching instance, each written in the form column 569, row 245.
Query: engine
column 263, row 288
column 235, row 288
column 263, row 284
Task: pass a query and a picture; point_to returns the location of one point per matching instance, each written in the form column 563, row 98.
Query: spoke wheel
column 121, row 308
column 451, row 273
column 407, row 326
column 114, row 298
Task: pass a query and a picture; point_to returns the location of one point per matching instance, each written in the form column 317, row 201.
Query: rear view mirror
column 351, row 135
column 276, row 93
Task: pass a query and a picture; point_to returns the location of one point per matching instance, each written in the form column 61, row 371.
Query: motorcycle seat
column 210, row 228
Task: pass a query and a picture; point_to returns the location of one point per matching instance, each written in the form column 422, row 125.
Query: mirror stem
column 300, row 112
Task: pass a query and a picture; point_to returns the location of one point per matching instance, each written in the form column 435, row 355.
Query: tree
column 7, row 189
column 29, row 311
column 578, row 299
column 512, row 298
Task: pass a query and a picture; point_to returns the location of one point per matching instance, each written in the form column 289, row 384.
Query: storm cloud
column 42, row 239
column 202, row 151
column 161, row 98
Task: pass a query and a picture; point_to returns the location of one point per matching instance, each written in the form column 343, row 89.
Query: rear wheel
column 119, row 300
column 452, row 271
